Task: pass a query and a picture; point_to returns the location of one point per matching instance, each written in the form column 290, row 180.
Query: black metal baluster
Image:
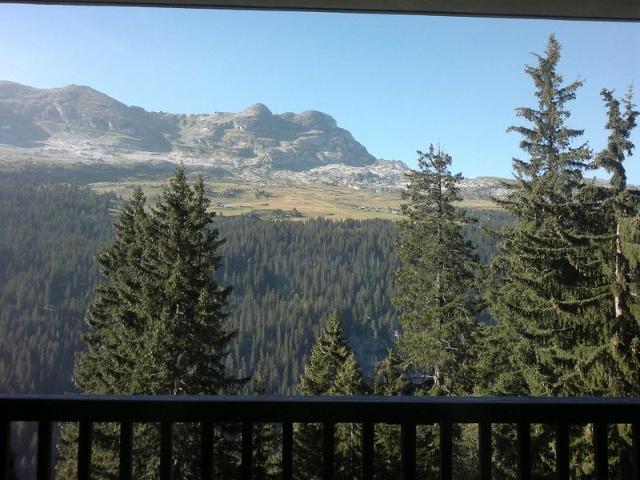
column 601, row 451
column 287, row 451
column 635, row 447
column 5, row 447
column 206, row 450
column 84, row 450
column 484, row 437
column 446, row 451
column 329, row 451
column 562, row 451
column 247, row 450
column 126, row 446
column 166, row 450
column 367, row 451
column 408, row 441
column 44, row 451
column 524, row 451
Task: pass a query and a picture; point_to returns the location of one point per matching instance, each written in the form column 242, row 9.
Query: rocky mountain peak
column 14, row 89
column 79, row 121
column 314, row 120
column 258, row 110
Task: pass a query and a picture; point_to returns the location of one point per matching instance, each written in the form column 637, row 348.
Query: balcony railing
column 368, row 411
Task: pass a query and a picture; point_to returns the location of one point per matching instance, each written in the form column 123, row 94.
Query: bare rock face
column 487, row 188
column 254, row 138
column 295, row 142
column 79, row 112
column 77, row 124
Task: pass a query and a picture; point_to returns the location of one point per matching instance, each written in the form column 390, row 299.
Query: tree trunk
column 619, row 280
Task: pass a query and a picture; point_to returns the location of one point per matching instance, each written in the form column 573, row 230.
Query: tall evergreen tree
column 332, row 370
column 619, row 348
column 348, row 381
column 610, row 362
column 544, row 279
column 545, row 285
column 438, row 297
column 157, row 325
column 328, row 355
column 437, row 279
column 113, row 361
column 116, row 317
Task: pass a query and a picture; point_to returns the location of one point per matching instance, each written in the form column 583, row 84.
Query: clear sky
column 396, row 82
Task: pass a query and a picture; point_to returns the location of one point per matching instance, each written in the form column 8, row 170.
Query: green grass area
column 293, row 201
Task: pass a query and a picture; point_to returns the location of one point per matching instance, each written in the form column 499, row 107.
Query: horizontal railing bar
column 264, row 409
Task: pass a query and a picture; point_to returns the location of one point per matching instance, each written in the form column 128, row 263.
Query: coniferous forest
column 536, row 298
column 286, row 278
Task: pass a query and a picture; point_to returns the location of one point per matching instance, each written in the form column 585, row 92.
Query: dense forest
column 48, row 239
column 286, row 277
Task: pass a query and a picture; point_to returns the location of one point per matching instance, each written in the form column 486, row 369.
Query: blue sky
column 396, row 82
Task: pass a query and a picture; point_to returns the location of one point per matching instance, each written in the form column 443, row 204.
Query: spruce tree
column 116, row 317
column 438, row 297
column 610, row 362
column 437, row 291
column 348, row 381
column 544, row 279
column 332, row 370
column 158, row 323
column 114, row 338
column 545, row 285
column 328, row 355
column 615, row 365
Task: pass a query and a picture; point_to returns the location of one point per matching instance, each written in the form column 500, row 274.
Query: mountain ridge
column 32, row 118
column 79, row 125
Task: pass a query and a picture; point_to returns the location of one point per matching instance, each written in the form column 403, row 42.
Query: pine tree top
column 157, row 324
column 329, row 354
column 348, row 380
column 554, row 167
column 437, row 280
column 619, row 145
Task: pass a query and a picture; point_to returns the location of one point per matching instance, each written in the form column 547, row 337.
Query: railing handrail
column 357, row 409
column 406, row 411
